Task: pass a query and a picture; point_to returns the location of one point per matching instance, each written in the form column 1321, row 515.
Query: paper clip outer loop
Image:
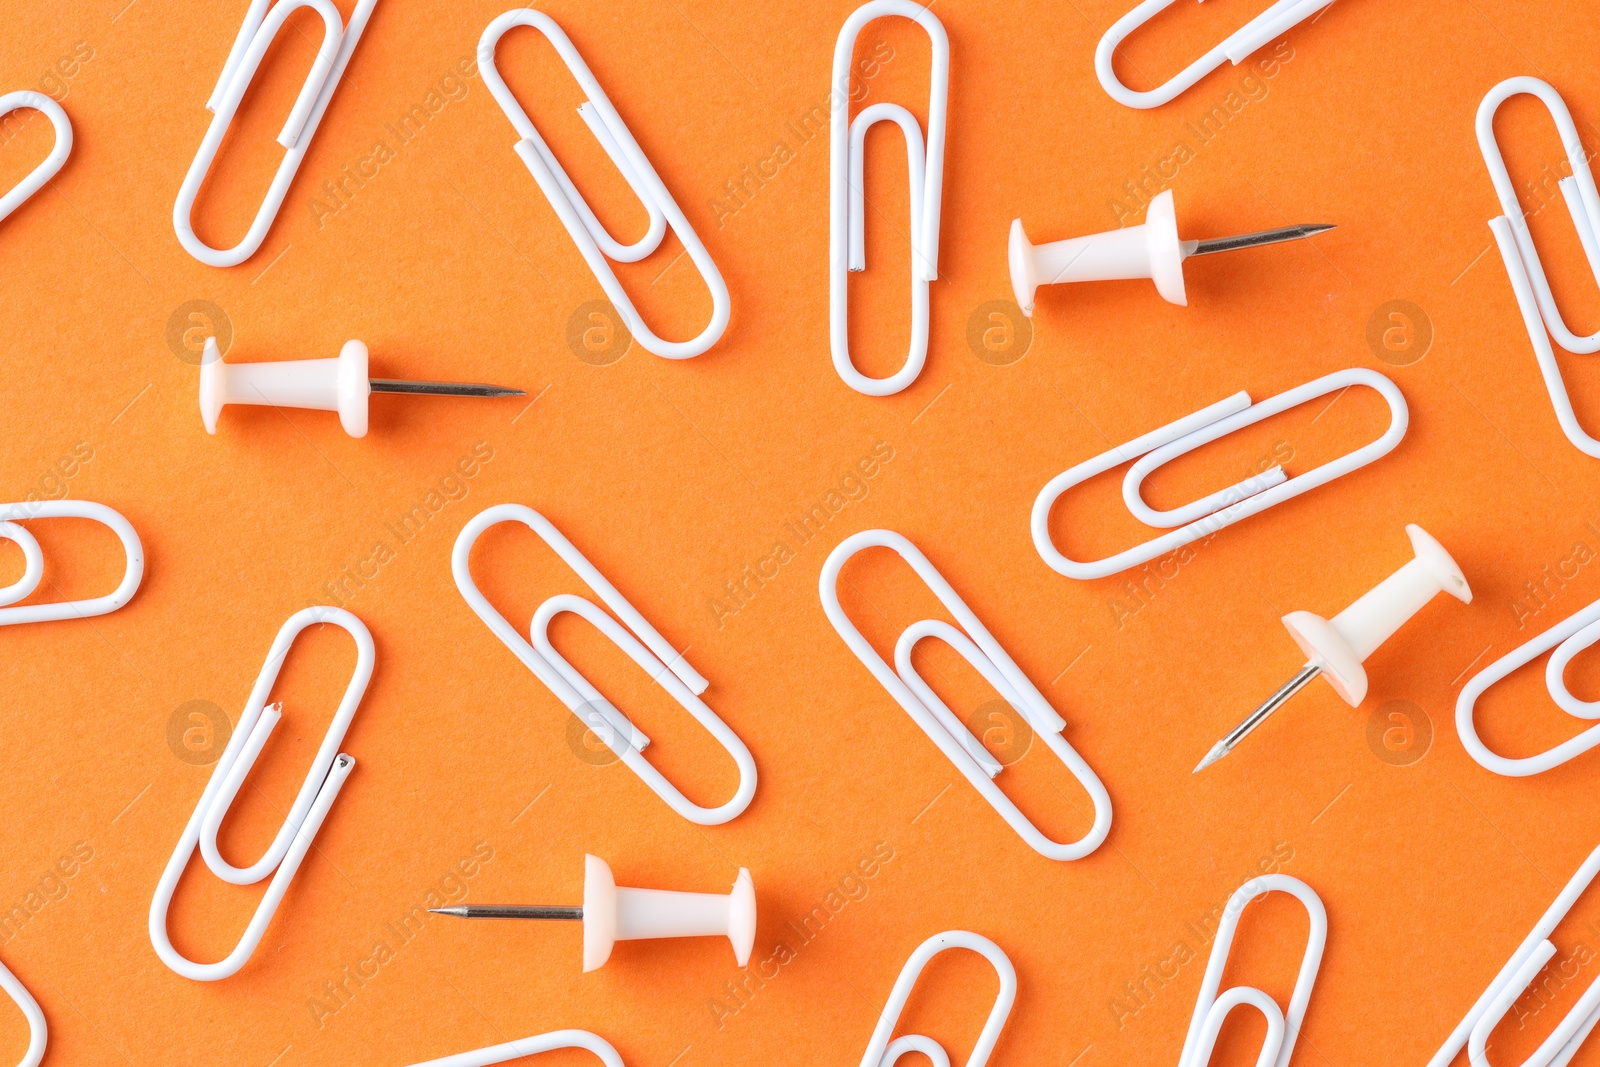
column 1283, row 1027
column 260, row 28
column 592, row 239
column 1472, row 1033
column 881, row 1052
column 1236, row 48
column 322, row 784
column 635, row 636
column 33, row 561
column 980, row 649
column 846, row 244
column 1568, row 637
column 38, row 1030
column 52, row 164
column 529, row 1046
column 1246, row 498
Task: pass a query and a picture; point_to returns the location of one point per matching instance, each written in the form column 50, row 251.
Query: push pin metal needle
column 1150, row 250
column 610, row 914
column 339, row 384
column 1338, row 647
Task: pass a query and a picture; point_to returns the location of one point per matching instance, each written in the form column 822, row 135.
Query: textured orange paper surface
column 427, row 238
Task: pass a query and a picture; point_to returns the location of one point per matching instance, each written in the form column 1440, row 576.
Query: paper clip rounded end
column 1324, row 646
column 1024, row 279
column 1166, row 249
column 742, row 916
column 1439, row 562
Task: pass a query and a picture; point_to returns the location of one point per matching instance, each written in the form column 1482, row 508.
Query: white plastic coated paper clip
column 529, row 1046
column 1206, row 516
column 52, row 164
column 323, row 781
column 882, row 1052
column 38, row 1031
column 979, row 648
column 1211, row 1009
column 33, row 561
column 846, row 196
column 1236, row 48
column 1516, row 978
column 591, row 237
column 261, row 25
column 634, row 636
column 1568, row 637
column 1540, row 314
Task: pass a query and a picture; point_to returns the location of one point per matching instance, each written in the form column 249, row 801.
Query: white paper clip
column 1568, row 637
column 59, row 152
column 38, row 1031
column 1516, row 977
column 846, row 196
column 1540, row 314
column 1211, row 1010
column 1225, row 507
column 295, row 837
column 33, row 561
column 881, row 1052
column 979, row 648
column 591, row 237
column 654, row 655
column 1236, row 48
column 256, row 35
column 529, row 1046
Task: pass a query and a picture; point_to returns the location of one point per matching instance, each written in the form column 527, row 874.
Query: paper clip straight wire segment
column 261, row 25
column 846, row 196
column 1516, row 977
column 323, row 781
column 529, row 1046
column 979, row 648
column 1225, row 507
column 592, row 239
column 52, row 164
column 1568, row 637
column 1211, row 1010
column 634, row 635
column 33, row 561
column 882, row 1052
column 1540, row 314
column 1236, row 48
column 38, row 1031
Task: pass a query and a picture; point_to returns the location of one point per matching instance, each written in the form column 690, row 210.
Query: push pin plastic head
column 1150, row 250
column 1339, row 646
column 611, row 913
column 338, row 385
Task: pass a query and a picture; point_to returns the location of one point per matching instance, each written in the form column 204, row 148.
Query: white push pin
column 1150, row 250
column 1337, row 648
column 339, row 384
column 611, row 913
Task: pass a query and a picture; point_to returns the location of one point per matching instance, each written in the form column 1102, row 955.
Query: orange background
column 674, row 476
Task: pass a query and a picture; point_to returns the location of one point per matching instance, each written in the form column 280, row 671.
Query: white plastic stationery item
column 846, row 196
column 1236, row 48
column 529, row 1046
column 1568, row 637
column 295, row 837
column 979, row 648
column 262, row 22
column 882, row 1052
column 634, row 635
column 1516, row 977
column 38, row 1031
column 1211, row 1009
column 33, row 561
column 36, row 178
column 587, row 232
column 1540, row 314
column 1223, row 508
